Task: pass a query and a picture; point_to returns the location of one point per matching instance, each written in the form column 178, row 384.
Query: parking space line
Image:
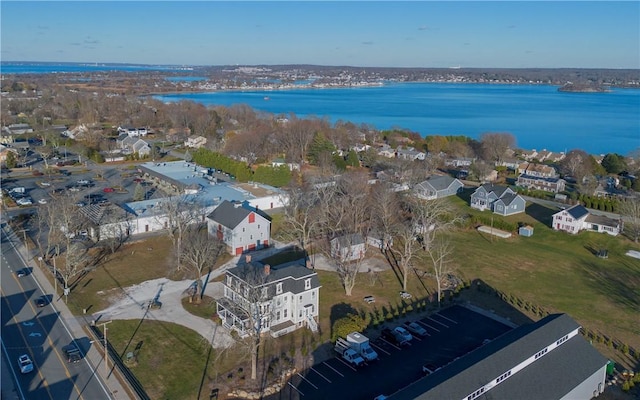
column 438, row 322
column 295, row 388
column 333, row 369
column 324, row 377
column 390, row 344
column 431, row 327
column 380, row 348
column 448, row 319
column 306, row 380
column 346, row 364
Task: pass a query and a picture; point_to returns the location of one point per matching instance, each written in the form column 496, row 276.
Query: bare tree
column 200, row 253
column 45, row 152
column 440, row 257
column 630, row 210
column 300, row 213
column 384, row 211
column 495, row 145
column 177, row 214
column 577, row 164
column 254, row 293
column 74, row 262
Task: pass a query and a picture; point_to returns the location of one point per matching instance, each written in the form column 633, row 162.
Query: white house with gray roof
column 548, row 359
column 240, row 226
column 437, row 187
column 276, row 299
column 577, row 218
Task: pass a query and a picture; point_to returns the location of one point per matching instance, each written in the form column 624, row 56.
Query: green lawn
column 555, row 271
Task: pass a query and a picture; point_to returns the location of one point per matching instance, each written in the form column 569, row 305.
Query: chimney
column 309, row 264
column 267, row 269
column 247, row 258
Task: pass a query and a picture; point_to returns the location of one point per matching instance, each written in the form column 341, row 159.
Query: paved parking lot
column 451, row 333
column 45, row 187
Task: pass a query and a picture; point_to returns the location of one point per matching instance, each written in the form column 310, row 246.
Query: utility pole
column 55, row 276
column 106, row 356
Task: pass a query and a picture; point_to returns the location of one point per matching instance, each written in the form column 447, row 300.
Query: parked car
column 403, row 333
column 25, row 364
column 81, row 204
column 44, row 183
column 429, row 369
column 108, row 190
column 25, row 201
column 21, row 273
column 393, row 337
column 41, row 301
column 415, row 328
column 72, row 353
column 42, row 201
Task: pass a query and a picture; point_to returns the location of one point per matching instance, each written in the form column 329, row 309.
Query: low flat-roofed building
column 548, row 359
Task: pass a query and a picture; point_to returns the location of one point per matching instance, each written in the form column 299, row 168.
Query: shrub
column 346, row 325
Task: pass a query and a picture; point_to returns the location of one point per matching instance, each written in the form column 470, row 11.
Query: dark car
column 20, row 273
column 72, row 353
column 393, row 337
column 41, row 301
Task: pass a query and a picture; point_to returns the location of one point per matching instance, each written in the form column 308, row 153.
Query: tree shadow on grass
column 620, row 286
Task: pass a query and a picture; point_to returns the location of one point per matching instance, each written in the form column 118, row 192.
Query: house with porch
column 486, row 197
column 578, row 218
column 240, row 226
column 437, row 187
column 279, row 299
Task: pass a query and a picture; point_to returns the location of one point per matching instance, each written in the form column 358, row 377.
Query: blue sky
column 503, row 34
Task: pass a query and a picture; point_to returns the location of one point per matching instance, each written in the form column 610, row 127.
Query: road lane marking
column 94, row 372
column 51, row 344
column 306, row 380
column 448, row 319
column 333, row 369
column 43, row 381
column 437, row 322
column 295, row 388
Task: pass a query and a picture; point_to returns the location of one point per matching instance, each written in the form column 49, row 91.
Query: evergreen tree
column 139, row 193
column 352, row 159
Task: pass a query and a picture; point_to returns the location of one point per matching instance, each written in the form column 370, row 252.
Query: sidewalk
column 74, row 325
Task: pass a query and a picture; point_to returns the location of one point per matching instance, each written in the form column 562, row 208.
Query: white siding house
column 275, row 299
column 578, row 218
column 240, row 226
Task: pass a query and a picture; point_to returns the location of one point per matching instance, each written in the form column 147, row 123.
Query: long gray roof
column 550, row 373
column 508, row 198
column 439, row 182
column 498, row 190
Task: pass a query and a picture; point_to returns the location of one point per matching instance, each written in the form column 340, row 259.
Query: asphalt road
column 40, row 333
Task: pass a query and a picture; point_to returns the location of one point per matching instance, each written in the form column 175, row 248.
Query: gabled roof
column 508, row 198
column 439, row 182
column 551, row 376
column 577, row 211
column 602, row 220
column 495, row 189
column 232, row 214
column 353, row 239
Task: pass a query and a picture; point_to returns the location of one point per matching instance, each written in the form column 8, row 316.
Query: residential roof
column 291, row 274
column 551, row 376
column 508, row 198
column 349, row 240
column 496, row 189
column 101, row 214
column 231, row 214
column 601, row 220
column 540, row 178
column 439, row 182
column 577, row 211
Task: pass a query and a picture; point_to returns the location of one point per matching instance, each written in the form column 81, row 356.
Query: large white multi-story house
column 262, row 298
column 240, row 226
column 577, row 218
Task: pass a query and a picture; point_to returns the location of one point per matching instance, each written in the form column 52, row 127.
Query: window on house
column 307, row 284
column 285, row 313
column 229, row 281
column 279, row 288
column 242, row 230
column 278, row 315
column 300, row 298
column 250, row 237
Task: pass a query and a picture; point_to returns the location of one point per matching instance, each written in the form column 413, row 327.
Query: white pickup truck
column 348, row 354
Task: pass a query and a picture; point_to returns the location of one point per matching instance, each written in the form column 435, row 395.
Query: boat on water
column 266, row 98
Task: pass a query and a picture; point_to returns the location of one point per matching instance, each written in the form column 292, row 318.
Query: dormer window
column 279, row 288
column 307, row 284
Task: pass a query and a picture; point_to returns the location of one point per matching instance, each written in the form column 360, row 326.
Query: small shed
column 525, row 230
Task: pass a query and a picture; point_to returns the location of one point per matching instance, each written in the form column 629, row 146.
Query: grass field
column 556, row 271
